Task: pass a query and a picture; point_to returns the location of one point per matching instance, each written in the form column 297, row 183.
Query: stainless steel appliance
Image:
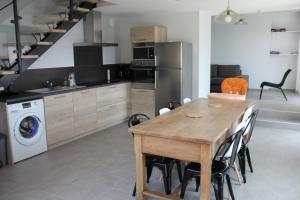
column 173, row 73
column 143, row 53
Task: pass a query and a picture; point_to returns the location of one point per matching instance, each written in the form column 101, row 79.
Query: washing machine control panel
column 26, row 105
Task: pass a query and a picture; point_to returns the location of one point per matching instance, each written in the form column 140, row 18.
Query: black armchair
column 275, row 85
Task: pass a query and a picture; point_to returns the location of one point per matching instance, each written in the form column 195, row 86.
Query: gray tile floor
column 101, row 167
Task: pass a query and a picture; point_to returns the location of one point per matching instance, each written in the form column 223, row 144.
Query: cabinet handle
column 85, row 92
column 112, row 87
column 59, row 97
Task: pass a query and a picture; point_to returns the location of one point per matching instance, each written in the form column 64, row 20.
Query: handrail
column 10, row 3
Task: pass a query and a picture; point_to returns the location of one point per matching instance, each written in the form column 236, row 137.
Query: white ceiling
column 132, row 7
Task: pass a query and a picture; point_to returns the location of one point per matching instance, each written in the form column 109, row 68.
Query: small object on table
column 193, row 115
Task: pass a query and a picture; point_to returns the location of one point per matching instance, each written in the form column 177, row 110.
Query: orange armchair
column 234, row 86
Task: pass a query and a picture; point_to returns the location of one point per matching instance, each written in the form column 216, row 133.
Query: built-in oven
column 143, row 77
column 143, row 53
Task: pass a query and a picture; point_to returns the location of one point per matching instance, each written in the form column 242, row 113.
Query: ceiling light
column 228, row 16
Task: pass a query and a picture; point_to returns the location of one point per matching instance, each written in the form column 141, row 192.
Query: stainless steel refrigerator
column 173, row 74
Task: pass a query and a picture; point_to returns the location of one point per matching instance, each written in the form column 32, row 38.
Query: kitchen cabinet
column 85, row 114
column 75, row 114
column 59, row 117
column 148, row 34
column 143, row 101
column 112, row 104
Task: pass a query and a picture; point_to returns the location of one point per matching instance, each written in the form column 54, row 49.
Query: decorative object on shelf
column 274, row 52
column 278, row 30
column 241, row 21
column 228, row 16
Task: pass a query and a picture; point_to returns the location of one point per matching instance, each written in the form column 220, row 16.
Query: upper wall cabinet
column 149, row 34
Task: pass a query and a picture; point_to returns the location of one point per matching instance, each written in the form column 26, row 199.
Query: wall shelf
column 284, row 54
column 295, row 31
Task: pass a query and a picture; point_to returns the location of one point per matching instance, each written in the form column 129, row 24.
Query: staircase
column 67, row 13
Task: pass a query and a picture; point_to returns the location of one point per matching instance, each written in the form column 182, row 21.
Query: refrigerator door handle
column 155, row 79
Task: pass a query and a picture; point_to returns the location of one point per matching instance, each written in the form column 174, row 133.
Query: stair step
column 40, row 43
column 53, row 21
column 23, row 57
column 6, row 72
column 78, row 1
column 37, row 32
column 66, row 10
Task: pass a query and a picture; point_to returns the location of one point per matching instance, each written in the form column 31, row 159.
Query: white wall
column 181, row 27
column 61, row 53
column 204, row 54
column 249, row 46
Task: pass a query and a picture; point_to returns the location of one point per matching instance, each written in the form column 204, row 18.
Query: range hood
column 92, row 31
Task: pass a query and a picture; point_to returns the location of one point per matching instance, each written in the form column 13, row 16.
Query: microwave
column 143, row 53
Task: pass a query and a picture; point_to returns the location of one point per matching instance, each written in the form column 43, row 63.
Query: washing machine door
column 28, row 129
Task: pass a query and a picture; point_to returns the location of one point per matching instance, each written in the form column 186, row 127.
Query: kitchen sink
column 55, row 89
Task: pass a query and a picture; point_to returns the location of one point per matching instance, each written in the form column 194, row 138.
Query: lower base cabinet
column 143, row 101
column 59, row 118
column 73, row 115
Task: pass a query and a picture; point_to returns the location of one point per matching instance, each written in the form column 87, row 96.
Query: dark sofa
column 220, row 72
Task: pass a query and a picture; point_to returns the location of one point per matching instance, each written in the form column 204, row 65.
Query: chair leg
column 220, row 181
column 216, row 191
column 184, row 184
column 249, row 159
column 229, row 186
column 169, row 176
column 197, row 183
column 149, row 172
column 236, row 169
column 261, row 91
column 283, row 94
column 179, row 170
column 242, row 161
column 134, row 190
column 165, row 179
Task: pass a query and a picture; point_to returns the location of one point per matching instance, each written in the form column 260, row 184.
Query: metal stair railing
column 15, row 21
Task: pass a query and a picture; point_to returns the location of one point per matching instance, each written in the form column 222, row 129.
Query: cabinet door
column 142, row 34
column 59, row 118
column 112, row 104
column 143, row 101
column 85, row 111
column 113, row 94
column 113, row 114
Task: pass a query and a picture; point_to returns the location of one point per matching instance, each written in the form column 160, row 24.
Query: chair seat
column 217, row 168
column 159, row 159
column 269, row 84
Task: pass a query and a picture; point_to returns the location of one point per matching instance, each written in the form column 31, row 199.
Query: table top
column 201, row 121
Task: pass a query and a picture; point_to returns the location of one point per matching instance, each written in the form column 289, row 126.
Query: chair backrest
column 136, row 119
column 164, row 110
column 234, row 86
column 284, row 77
column 249, row 128
column 173, row 104
column 230, row 144
column 186, row 100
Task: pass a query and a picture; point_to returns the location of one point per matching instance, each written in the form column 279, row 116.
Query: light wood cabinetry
column 70, row 116
column 59, row 116
column 149, row 34
column 143, row 101
column 85, row 111
column 112, row 104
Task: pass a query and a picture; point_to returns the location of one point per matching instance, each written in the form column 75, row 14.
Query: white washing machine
column 27, row 134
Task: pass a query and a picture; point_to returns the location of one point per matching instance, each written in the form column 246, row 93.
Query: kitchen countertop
column 27, row 96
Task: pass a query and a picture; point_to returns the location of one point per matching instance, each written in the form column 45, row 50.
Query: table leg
column 206, row 162
column 140, row 170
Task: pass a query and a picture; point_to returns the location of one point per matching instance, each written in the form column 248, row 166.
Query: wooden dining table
column 191, row 132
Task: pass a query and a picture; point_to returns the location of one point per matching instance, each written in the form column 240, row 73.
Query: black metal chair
column 244, row 151
column 173, row 104
column 275, row 85
column 165, row 165
column 220, row 168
